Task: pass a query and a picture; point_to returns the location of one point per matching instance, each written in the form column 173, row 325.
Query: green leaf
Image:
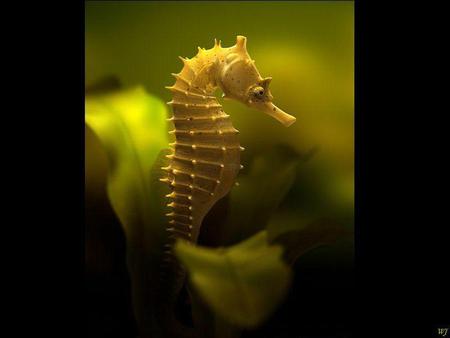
column 207, row 324
column 242, row 284
column 131, row 126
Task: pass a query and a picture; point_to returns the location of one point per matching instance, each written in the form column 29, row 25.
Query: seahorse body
column 206, row 152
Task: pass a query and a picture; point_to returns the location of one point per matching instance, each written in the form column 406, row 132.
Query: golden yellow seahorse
column 206, row 152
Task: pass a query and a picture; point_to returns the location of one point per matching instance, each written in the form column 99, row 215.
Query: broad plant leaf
column 131, row 126
column 207, row 323
column 242, row 284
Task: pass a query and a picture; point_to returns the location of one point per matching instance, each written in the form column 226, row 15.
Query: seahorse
column 205, row 158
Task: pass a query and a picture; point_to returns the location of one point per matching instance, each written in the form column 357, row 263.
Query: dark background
column 401, row 284
column 401, row 274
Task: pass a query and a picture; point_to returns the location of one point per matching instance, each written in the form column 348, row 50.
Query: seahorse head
column 239, row 79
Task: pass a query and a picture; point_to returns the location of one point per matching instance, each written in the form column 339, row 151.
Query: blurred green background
column 308, row 49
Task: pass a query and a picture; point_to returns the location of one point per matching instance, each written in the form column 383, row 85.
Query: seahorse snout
column 278, row 114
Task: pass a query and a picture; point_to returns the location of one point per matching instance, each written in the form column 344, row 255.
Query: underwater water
column 297, row 182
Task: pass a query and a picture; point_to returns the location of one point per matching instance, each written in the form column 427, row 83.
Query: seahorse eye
column 258, row 92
